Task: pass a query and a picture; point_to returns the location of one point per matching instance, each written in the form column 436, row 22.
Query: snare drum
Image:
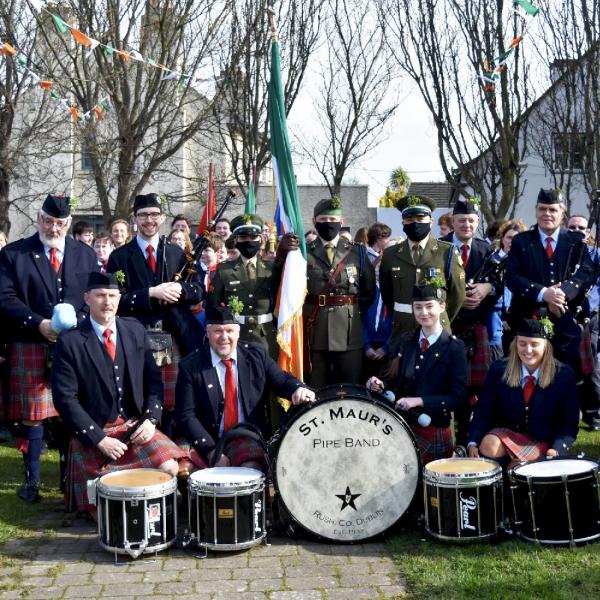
column 347, row 467
column 463, row 499
column 557, row 501
column 226, row 508
column 137, row 511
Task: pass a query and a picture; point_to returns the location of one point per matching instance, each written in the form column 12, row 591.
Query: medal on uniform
column 350, row 273
column 432, row 272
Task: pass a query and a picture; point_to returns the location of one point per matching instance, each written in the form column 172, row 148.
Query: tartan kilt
column 433, row 442
column 479, row 364
column 169, row 379
column 84, row 462
column 585, row 352
column 30, row 391
column 238, row 451
column 520, row 446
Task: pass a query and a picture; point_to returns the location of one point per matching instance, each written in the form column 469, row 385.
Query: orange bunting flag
column 46, row 85
column 73, row 110
column 123, row 55
column 499, row 69
column 80, row 38
column 516, row 41
column 99, row 112
column 486, row 65
column 490, row 88
column 8, row 48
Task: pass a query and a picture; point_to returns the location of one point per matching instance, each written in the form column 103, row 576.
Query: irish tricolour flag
column 293, row 282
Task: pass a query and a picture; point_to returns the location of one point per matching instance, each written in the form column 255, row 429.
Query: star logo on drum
column 348, row 499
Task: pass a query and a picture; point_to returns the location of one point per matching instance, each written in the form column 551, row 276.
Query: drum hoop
column 462, row 478
column 242, row 489
column 558, row 478
column 468, row 484
column 158, row 490
column 377, row 399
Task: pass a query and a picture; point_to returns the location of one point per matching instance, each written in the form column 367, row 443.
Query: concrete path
column 69, row 563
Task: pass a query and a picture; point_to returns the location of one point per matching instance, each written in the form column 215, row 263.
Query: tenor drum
column 557, row 501
column 347, row 467
column 137, row 511
column 226, row 508
column 463, row 499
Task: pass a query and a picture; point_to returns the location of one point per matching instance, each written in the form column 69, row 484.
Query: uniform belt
column 255, row 319
column 403, row 308
column 331, row 299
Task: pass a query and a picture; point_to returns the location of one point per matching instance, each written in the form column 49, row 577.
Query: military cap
column 328, row 206
column 411, row 206
column 428, row 291
column 246, row 225
column 146, row 201
column 105, row 281
column 549, row 197
column 58, row 207
column 220, row 315
column 466, row 206
column 535, row 328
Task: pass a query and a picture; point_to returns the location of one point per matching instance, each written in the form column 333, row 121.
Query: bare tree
column 442, row 47
column 566, row 134
column 244, row 64
column 151, row 114
column 30, row 130
column 355, row 99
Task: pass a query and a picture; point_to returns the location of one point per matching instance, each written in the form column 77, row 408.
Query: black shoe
column 5, row 435
column 594, row 424
column 592, row 420
column 29, row 492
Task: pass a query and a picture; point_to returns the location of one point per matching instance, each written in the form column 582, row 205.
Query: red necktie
column 230, row 417
column 151, row 260
column 549, row 251
column 109, row 344
column 528, row 389
column 424, row 344
column 54, row 262
column 465, row 255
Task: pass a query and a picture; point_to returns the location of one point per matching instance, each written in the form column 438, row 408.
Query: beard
column 54, row 242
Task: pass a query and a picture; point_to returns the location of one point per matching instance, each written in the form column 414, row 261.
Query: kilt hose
column 84, row 463
column 520, row 446
column 433, row 442
column 169, row 379
column 30, row 391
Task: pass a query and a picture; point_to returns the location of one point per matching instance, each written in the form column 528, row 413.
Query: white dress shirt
column 221, row 370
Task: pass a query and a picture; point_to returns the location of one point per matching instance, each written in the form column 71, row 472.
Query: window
column 569, row 151
column 86, row 159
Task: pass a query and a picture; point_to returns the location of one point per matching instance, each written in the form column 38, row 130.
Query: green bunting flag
column 527, row 7
column 250, row 198
column 60, row 24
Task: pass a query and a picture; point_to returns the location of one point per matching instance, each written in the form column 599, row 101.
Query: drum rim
column 227, row 491
column 369, row 397
column 557, row 478
column 462, row 478
column 252, row 480
column 140, row 492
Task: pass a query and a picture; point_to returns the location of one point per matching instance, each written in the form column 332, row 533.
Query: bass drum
column 347, row 466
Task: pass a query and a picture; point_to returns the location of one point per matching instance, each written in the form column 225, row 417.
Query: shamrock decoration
column 247, row 219
column 548, row 327
column 336, row 202
column 475, row 201
column 73, row 202
column 437, row 282
column 164, row 200
column 120, row 277
column 413, row 201
column 236, row 305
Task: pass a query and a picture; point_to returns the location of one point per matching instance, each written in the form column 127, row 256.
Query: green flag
column 60, row 24
column 529, row 8
column 288, row 212
column 251, row 197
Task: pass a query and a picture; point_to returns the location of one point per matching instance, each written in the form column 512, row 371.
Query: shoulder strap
column 448, row 272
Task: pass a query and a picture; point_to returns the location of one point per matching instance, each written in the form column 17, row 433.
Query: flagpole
column 272, row 24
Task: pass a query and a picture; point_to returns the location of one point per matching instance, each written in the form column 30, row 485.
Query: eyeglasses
column 154, row 216
column 577, row 228
column 48, row 223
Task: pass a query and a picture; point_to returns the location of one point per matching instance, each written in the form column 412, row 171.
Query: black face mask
column 248, row 249
column 328, row 231
column 580, row 234
column 417, row 231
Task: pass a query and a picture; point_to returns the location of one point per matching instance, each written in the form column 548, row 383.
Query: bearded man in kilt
column 105, row 382
column 151, row 295
column 36, row 274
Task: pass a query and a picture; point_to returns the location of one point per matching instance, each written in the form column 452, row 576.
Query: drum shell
column 323, row 520
column 137, row 520
column 463, row 508
column 226, row 517
column 556, row 510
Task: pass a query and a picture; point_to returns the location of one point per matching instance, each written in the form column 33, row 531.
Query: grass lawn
column 511, row 570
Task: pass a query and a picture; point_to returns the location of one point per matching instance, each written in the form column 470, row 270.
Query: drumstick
column 128, row 435
column 423, row 419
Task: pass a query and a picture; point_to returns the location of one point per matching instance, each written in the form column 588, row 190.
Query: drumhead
column 460, row 468
column 347, row 468
column 135, row 478
column 556, row 468
column 223, row 477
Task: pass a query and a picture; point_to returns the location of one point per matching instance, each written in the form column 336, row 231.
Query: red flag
column 210, row 208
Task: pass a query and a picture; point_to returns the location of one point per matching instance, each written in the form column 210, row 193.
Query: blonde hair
column 513, row 373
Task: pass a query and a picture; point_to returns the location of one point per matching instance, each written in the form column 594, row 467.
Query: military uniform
column 333, row 319
column 398, row 274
